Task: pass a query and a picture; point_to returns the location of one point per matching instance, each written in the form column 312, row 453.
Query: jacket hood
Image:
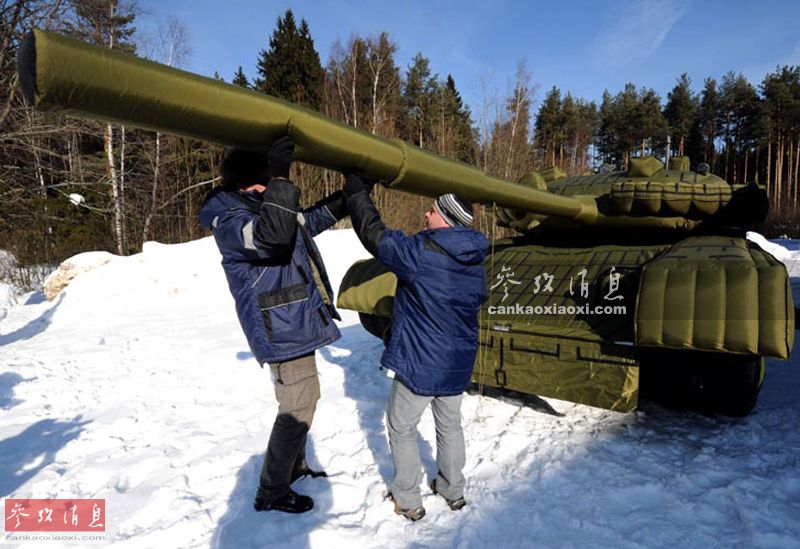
column 464, row 244
column 219, row 200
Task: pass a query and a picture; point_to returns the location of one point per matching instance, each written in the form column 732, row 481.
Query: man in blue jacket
column 434, row 337
column 282, row 295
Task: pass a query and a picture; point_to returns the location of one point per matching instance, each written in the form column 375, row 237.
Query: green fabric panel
column 776, row 319
column 557, row 367
column 741, row 310
column 648, row 197
column 644, row 167
column 677, row 198
column 708, row 201
column 715, row 293
column 679, row 310
column 667, row 199
column 621, row 197
column 524, row 263
column 772, row 308
column 709, row 333
column 679, row 163
column 88, row 81
column 368, row 287
column 649, row 324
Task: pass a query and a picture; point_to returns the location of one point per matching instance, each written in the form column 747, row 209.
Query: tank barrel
column 82, row 80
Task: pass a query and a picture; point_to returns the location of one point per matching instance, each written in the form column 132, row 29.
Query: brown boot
column 411, row 514
column 454, row 504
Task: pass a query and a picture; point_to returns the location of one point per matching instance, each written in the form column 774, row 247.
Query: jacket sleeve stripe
column 279, row 206
column 247, row 236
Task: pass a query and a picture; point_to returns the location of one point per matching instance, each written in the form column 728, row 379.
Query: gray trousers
column 297, row 392
column 402, row 417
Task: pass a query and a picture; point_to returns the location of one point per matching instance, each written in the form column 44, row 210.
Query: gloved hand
column 280, row 157
column 353, row 184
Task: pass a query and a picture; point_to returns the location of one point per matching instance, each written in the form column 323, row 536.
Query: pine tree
column 548, row 127
column 240, row 79
column 737, row 116
column 624, row 125
column 680, row 112
column 460, row 118
column 781, row 121
column 707, row 122
column 418, row 100
column 104, row 22
column 290, row 68
column 605, row 132
column 651, row 123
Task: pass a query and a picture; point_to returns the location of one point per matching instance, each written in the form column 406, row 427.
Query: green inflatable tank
column 662, row 297
column 620, row 285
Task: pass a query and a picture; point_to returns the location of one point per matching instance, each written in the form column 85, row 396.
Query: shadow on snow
column 22, row 456
column 34, row 327
column 362, row 381
column 242, row 526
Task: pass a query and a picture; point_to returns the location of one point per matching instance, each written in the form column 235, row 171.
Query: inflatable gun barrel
column 78, row 79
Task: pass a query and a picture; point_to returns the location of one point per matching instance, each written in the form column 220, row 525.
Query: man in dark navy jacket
column 282, row 296
column 434, row 337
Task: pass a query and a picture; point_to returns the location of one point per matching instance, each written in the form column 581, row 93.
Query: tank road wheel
column 733, row 383
column 726, row 384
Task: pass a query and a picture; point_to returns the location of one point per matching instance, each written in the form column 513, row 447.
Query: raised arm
column 398, row 252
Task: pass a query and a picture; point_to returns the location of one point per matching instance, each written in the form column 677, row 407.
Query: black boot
column 290, row 502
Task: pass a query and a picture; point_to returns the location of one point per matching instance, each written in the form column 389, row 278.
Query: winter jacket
column 274, row 270
column 441, row 285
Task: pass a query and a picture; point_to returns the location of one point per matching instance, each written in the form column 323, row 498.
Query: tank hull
column 598, row 326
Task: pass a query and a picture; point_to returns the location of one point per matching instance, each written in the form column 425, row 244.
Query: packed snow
column 135, row 384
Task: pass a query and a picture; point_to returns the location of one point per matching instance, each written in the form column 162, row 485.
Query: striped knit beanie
column 454, row 209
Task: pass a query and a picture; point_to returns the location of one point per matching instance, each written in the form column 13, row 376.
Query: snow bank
column 136, row 385
column 72, row 267
column 780, row 253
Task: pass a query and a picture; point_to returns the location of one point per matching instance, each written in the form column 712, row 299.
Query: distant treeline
column 68, row 185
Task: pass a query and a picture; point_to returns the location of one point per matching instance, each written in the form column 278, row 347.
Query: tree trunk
column 789, row 170
column 779, row 172
column 796, row 172
column 517, row 108
column 156, row 173
column 746, row 155
column 758, row 164
column 353, row 97
column 769, row 170
column 108, row 142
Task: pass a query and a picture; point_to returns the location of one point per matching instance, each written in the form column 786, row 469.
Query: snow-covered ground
column 136, row 385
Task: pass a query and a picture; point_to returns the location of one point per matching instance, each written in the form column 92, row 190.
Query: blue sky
column 582, row 46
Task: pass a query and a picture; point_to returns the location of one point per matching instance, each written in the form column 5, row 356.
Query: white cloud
column 640, row 31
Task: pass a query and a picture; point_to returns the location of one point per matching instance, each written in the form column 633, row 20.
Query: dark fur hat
column 243, row 167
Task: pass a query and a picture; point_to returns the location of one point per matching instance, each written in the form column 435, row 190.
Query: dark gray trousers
column 297, row 392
